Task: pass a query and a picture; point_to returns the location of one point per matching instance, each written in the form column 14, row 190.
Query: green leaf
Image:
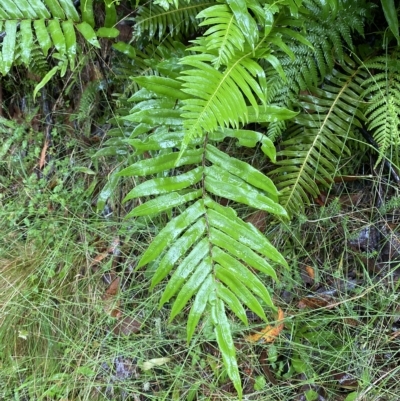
column 245, row 233
column 8, row 49
column 390, row 12
column 245, row 21
column 162, row 163
column 243, row 170
column 241, row 251
column 269, row 114
column 199, row 305
column 222, row 102
column 156, row 117
column 125, row 48
column 70, row 41
column 55, row 9
column 191, row 286
column 159, row 186
column 223, row 334
column 239, row 289
column 221, row 183
column 57, row 36
column 232, row 301
column 163, row 203
column 88, row 33
column 162, row 86
column 162, row 138
column 224, row 33
column 104, row 32
column 42, row 35
column 70, row 10
column 40, row 9
column 184, row 270
column 111, row 13
column 26, row 40
column 243, row 274
column 178, row 250
column 87, row 12
column 45, row 79
column 171, row 231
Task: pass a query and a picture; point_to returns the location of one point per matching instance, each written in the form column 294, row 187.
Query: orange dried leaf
column 99, row 258
column 110, row 302
column 269, row 333
column 316, row 302
column 310, row 271
column 43, row 153
column 112, row 289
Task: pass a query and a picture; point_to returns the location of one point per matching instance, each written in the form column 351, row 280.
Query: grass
column 58, row 342
column 59, row 336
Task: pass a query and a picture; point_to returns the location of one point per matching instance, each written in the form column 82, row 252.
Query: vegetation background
column 199, row 200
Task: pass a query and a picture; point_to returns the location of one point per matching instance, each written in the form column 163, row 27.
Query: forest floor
column 77, row 321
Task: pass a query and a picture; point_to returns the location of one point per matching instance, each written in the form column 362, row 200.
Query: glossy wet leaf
column 165, row 185
column 243, row 170
column 88, row 33
column 191, row 286
column 184, row 270
column 163, row 203
column 223, row 334
column 42, row 35
column 179, row 249
column 171, row 231
column 199, row 305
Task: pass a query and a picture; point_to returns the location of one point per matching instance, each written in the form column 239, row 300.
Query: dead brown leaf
column 317, row 301
column 110, row 302
column 269, row 333
column 311, row 272
column 43, row 153
column 258, row 219
column 126, row 326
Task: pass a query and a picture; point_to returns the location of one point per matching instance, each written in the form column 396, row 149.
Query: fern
column 87, row 101
column 206, row 247
column 317, row 141
column 154, row 20
column 328, row 28
column 46, row 24
column 383, row 95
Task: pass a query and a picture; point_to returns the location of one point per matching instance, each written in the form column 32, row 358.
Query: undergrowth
column 58, row 330
column 80, row 321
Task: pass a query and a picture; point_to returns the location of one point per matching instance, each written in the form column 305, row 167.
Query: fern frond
column 317, row 141
column 329, row 33
column 383, row 95
column 219, row 98
column 87, row 101
column 224, row 34
column 154, row 20
column 206, row 248
column 45, row 23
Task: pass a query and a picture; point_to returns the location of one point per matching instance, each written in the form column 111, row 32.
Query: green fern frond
column 219, row 98
column 383, row 96
column 47, row 23
column 317, row 141
column 329, row 34
column 224, row 34
column 154, row 20
column 206, row 249
column 87, row 101
column 38, row 64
